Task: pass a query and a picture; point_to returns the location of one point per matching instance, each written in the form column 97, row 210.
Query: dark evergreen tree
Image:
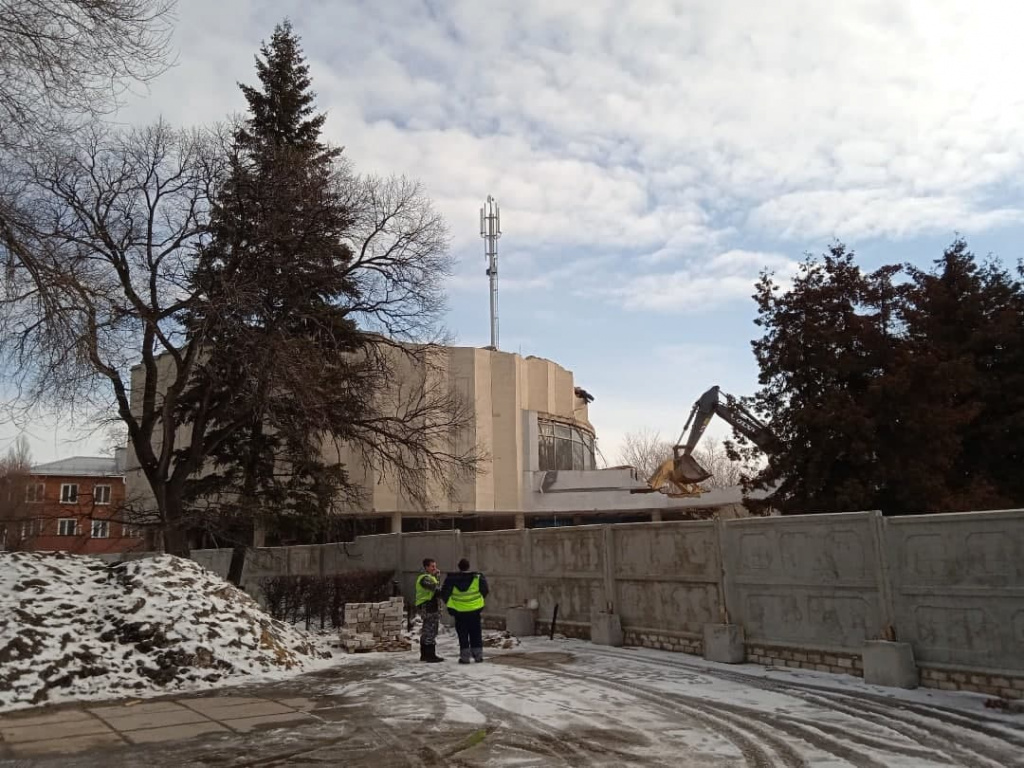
column 281, row 347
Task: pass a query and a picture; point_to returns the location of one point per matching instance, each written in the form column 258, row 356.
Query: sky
column 650, row 159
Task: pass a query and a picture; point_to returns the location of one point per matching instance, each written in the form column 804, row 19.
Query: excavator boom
column 685, row 473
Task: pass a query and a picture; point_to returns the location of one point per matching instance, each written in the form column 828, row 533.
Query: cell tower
column 490, row 231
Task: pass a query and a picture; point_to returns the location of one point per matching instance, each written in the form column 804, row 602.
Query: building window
column 69, row 493
column 30, row 528
column 101, row 494
column 3, row 538
column 67, row 526
column 564, row 447
column 100, row 529
column 34, row 492
column 131, row 531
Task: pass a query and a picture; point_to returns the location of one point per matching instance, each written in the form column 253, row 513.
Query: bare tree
column 61, row 60
column 644, row 450
column 98, row 259
column 17, row 526
column 713, row 455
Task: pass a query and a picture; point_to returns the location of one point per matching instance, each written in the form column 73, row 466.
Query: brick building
column 71, row 505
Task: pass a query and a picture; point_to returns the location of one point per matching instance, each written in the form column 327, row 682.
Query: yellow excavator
column 681, row 475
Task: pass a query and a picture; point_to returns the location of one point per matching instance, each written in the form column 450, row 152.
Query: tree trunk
column 176, row 541
column 237, row 565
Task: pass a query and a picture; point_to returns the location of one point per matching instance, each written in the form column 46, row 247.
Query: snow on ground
column 606, row 706
column 75, row 628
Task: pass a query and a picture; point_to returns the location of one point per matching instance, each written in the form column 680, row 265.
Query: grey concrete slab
column 72, row 745
column 174, row 732
column 302, row 704
column 215, row 709
column 135, row 707
column 64, row 716
column 246, row 724
column 52, row 731
column 137, row 721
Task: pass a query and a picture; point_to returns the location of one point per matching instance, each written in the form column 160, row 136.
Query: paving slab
column 246, row 724
column 137, row 721
column 64, row 716
column 174, row 732
column 304, row 705
column 14, row 734
column 220, row 710
column 66, row 746
column 135, row 707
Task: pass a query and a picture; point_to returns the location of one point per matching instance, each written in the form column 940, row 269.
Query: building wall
column 501, row 387
column 808, row 590
column 42, row 518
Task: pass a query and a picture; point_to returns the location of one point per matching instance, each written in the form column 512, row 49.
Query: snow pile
column 72, row 627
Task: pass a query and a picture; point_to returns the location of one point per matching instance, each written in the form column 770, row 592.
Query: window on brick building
column 101, row 494
column 131, row 531
column 30, row 528
column 34, row 492
column 100, row 529
column 67, row 526
column 69, row 493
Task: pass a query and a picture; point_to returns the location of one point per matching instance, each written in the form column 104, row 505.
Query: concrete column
column 259, row 534
column 656, row 516
column 396, row 522
column 610, row 593
column 520, row 520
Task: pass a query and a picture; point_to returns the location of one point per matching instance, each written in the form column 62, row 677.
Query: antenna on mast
column 490, row 231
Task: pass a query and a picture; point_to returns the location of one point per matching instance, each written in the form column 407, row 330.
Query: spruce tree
column 279, row 343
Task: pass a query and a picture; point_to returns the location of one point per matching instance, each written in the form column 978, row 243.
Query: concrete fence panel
column 958, row 587
column 568, row 570
column 809, row 581
column 502, row 557
column 667, row 575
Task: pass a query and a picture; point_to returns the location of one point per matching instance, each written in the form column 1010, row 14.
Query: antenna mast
column 490, row 231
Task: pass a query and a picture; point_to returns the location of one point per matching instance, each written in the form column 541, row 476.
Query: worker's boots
column 464, row 656
column 428, row 653
column 478, row 654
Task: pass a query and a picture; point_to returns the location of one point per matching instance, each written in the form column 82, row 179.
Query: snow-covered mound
column 73, row 627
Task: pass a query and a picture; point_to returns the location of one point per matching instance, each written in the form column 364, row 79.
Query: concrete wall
column 815, row 586
column 804, row 581
column 957, row 586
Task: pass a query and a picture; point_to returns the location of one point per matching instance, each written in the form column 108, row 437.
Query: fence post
column 724, row 581
column 887, row 609
column 611, row 596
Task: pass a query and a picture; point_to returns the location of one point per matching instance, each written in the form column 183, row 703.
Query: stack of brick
column 374, row 627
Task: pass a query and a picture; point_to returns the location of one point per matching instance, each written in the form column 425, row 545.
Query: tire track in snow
column 955, row 731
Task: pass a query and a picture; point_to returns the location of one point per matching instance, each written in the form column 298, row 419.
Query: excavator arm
column 682, row 472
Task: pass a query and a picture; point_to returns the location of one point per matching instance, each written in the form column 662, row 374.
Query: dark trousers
column 467, row 627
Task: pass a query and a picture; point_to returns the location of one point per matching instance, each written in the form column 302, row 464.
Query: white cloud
column 703, row 285
column 658, row 131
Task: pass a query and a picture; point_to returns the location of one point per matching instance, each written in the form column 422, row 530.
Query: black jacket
column 462, row 580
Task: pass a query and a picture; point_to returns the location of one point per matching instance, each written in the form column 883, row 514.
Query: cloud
column 660, row 132
column 703, row 286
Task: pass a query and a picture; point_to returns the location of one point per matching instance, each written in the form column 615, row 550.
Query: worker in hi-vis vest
column 464, row 594
column 428, row 584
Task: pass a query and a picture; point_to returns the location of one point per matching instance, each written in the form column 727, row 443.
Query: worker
column 428, row 585
column 464, row 594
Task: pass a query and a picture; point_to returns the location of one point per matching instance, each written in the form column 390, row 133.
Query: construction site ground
column 542, row 703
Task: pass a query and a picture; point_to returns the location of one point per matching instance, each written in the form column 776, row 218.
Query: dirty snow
column 75, row 628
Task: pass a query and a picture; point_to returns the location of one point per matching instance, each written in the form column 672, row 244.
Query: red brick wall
column 46, row 514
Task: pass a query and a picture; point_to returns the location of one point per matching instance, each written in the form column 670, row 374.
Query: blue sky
column 649, row 158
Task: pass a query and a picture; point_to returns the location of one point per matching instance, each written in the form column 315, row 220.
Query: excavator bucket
column 686, row 470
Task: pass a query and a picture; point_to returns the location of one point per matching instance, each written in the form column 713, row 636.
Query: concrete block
column 606, row 629
column 174, row 732
column 724, row 643
column 521, row 622
column 889, row 664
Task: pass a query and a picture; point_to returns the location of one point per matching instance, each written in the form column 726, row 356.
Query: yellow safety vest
column 424, row 594
column 464, row 601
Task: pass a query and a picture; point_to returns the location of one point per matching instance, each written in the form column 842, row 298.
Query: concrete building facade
column 531, row 424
